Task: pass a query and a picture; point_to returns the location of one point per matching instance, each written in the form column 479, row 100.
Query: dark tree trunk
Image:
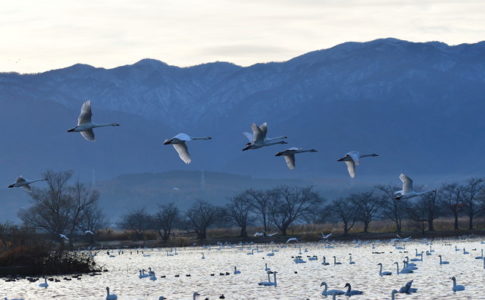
column 430, row 224
column 366, row 227
column 470, row 222
column 456, row 220
column 244, row 232
column 398, row 226
column 265, row 226
column 346, row 228
column 202, row 234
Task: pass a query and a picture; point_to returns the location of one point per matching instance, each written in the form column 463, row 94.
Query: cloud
column 38, row 36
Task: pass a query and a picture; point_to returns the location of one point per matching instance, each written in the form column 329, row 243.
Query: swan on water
column 381, row 273
column 443, row 262
column 269, row 282
column 110, row 296
column 407, row 191
column 456, row 287
column 179, row 143
column 84, row 124
column 350, row 260
column 352, row 160
column 258, row 139
column 289, row 155
column 351, row 292
column 327, row 292
column 407, row 289
column 44, row 284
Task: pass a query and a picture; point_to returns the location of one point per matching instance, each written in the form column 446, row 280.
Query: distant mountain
column 419, row 105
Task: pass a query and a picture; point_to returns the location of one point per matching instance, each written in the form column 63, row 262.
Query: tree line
column 68, row 211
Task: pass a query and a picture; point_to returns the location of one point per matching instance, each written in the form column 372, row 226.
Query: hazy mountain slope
column 419, row 105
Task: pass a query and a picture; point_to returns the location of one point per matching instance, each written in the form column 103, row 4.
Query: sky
column 37, row 36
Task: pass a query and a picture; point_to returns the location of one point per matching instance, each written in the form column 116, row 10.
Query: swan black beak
column 167, row 142
column 341, row 159
column 10, row 186
column 70, row 130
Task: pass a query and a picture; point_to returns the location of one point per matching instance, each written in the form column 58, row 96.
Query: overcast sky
column 42, row 35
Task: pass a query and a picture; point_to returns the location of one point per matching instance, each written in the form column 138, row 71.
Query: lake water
column 295, row 281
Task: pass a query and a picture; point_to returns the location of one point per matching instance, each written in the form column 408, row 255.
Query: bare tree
column 392, row 208
column 201, row 216
column 166, row 218
column 60, row 208
column 260, row 203
column 367, row 206
column 238, row 211
column 424, row 209
column 345, row 211
column 137, row 221
column 291, row 204
column 452, row 197
column 471, row 191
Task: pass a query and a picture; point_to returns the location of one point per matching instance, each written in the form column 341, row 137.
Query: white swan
column 407, row 191
column 324, row 261
column 44, row 284
column 352, row 160
column 393, row 294
column 326, row 236
column 110, row 296
column 293, row 239
column 23, row 183
column 351, row 292
column 335, row 262
column 236, row 271
column 404, row 269
column 481, row 256
column 443, row 262
column 456, row 287
column 289, row 155
column 258, row 139
column 269, row 282
column 351, row 262
column 385, row 273
column 195, row 295
column 179, row 143
column 327, row 292
column 407, row 289
column 84, row 125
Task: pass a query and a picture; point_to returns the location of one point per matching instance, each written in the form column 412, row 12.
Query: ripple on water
column 431, row 279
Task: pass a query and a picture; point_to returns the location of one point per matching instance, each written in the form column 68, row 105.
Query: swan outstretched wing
column 264, row 129
column 88, row 134
column 407, row 183
column 183, row 152
column 86, row 114
column 258, row 135
column 350, row 167
column 290, row 160
column 183, row 137
column 21, row 180
column 355, row 157
column 248, row 136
